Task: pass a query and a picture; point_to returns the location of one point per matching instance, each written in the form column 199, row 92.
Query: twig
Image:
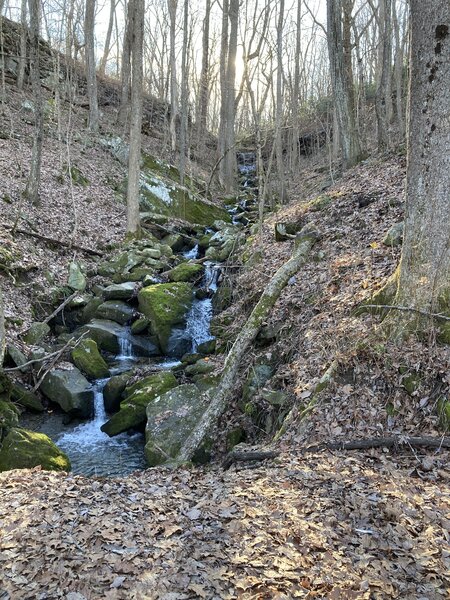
column 390, row 442
column 61, row 307
column 408, row 309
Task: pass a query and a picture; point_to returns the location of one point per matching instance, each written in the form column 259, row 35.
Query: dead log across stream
column 304, row 243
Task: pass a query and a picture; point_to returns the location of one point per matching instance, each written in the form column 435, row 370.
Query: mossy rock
column 132, row 409
column 207, row 347
column 166, row 305
column 411, row 380
column 175, row 240
column 171, row 418
column 115, row 310
column 107, row 335
column 383, row 297
column 121, row 291
column 201, row 367
column 185, row 272
column 23, row 449
column 88, row 359
column 394, row 237
column 26, row 398
column 113, row 391
column 140, row 325
column 77, row 280
column 36, row 333
column 9, row 416
column 234, row 437
column 444, row 333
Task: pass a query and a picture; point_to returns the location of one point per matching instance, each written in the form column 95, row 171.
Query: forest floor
column 369, row 525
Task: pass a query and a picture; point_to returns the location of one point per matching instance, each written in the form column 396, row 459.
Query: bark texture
column 424, row 280
column 248, row 333
column 91, row 75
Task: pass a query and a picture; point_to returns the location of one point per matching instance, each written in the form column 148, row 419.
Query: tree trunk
column 184, row 93
column 246, row 336
column 202, row 111
column 122, row 116
column 34, row 178
column 339, row 53
column 172, row 4
column 221, row 144
column 279, row 107
column 107, row 46
column 134, row 161
column 230, row 116
column 91, row 75
column 424, row 279
column 23, row 45
column 383, row 102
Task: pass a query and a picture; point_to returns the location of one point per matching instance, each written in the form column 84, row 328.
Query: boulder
column 201, row 367
column 23, row 449
column 115, row 310
column 137, row 397
column 89, row 360
column 171, row 418
column 394, row 237
column 9, row 416
column 26, row 398
column 166, row 305
column 36, row 332
column 108, row 334
column 88, row 311
column 113, row 391
column 185, row 272
column 140, row 325
column 77, row 280
column 175, row 240
column 71, row 390
column 120, row 291
column 17, row 357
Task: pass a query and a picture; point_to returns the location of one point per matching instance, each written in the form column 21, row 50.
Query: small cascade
column 192, row 253
column 200, row 315
column 125, row 349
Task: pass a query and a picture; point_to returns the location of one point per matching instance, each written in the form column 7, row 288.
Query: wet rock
column 171, row 418
column 36, row 333
column 113, row 391
column 77, row 280
column 26, row 398
column 140, row 325
column 166, row 305
column 208, row 347
column 394, row 237
column 89, row 310
column 89, row 360
column 132, row 409
column 115, row 310
column 120, row 291
column 71, row 390
column 107, row 335
column 23, row 449
column 185, row 272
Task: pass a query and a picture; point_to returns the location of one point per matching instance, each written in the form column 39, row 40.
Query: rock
column 115, row 310
column 171, row 418
column 117, row 147
column 89, row 310
column 113, row 391
column 17, row 357
column 27, row 106
column 71, row 390
column 394, row 237
column 140, row 325
column 120, row 291
column 166, row 305
column 410, row 380
column 185, row 272
column 274, row 397
column 208, row 347
column 9, row 417
column 444, row 333
column 26, row 398
column 201, row 367
column 36, row 333
column 175, row 241
column 89, row 360
column 77, row 281
column 205, row 383
column 235, row 437
column 23, row 449
column 223, row 298
column 108, row 334
column 137, row 397
column 286, row 231
column 258, row 376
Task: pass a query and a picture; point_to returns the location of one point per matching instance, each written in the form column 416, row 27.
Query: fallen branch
column 243, row 456
column 408, row 309
column 50, row 240
column 390, row 442
column 219, row 398
column 61, row 307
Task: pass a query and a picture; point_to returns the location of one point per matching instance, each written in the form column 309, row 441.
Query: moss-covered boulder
column 394, row 236
column 171, row 418
column 115, row 310
column 89, row 360
column 113, row 391
column 166, row 305
column 140, row 325
column 108, row 335
column 26, row 398
column 9, row 416
column 185, row 272
column 23, row 449
column 77, row 280
column 71, row 390
column 201, row 367
column 132, row 409
column 36, row 333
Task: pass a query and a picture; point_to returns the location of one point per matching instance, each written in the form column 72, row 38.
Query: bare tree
column 107, row 44
column 125, row 77
column 91, row 75
column 23, row 45
column 279, row 106
column 172, row 5
column 134, row 161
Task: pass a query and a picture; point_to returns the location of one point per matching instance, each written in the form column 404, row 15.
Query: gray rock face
column 119, row 291
column 171, row 418
column 108, row 333
column 71, row 390
column 116, row 310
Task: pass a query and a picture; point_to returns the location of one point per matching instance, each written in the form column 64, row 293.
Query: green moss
column 234, row 437
column 443, row 406
column 444, row 333
column 166, row 305
column 319, row 203
column 410, row 380
column 9, row 416
column 88, row 359
column 383, row 297
column 185, row 272
column 23, row 449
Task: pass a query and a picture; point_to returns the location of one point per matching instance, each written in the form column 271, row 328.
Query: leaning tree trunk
column 134, row 161
column 34, row 178
column 424, row 279
column 246, row 336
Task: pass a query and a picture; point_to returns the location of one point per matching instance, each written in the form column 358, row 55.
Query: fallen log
column 390, row 442
column 244, row 456
column 219, row 397
column 50, row 240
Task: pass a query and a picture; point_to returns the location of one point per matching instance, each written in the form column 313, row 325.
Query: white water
column 192, row 253
column 200, row 315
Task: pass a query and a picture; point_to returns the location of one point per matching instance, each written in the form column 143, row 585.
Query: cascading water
column 200, row 315
column 192, row 253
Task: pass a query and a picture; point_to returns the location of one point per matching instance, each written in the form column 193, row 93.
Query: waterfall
column 200, row 315
column 192, row 253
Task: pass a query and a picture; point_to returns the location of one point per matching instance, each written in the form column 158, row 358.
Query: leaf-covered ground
column 336, row 526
